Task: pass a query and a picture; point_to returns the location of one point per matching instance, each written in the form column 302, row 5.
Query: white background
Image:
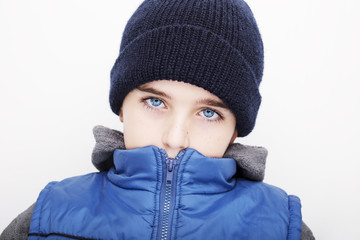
column 55, row 61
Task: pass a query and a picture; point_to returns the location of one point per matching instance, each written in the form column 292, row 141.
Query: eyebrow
column 153, row 91
column 212, row 102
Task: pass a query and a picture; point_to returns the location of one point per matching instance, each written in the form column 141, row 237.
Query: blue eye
column 154, row 102
column 209, row 114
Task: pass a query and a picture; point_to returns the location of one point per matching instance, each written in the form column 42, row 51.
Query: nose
column 175, row 136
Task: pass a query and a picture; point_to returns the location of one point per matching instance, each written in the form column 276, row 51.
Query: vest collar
column 144, row 168
column 250, row 160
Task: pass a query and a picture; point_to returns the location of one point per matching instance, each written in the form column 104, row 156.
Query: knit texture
column 213, row 44
column 18, row 229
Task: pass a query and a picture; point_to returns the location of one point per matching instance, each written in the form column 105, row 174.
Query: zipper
column 168, row 193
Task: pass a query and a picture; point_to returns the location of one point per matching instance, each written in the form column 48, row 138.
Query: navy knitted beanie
column 213, row 44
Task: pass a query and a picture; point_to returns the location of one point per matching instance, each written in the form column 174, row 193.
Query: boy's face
column 176, row 115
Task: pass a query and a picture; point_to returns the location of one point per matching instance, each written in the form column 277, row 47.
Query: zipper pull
column 170, row 163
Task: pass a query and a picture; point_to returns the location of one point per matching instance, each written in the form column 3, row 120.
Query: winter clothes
column 149, row 196
column 213, row 44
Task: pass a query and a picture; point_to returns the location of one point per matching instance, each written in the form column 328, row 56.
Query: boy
column 185, row 85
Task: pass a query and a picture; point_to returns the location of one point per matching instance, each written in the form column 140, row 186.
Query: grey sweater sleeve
column 19, row 228
column 306, row 233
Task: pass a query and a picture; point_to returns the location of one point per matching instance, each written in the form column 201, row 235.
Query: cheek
column 211, row 141
column 140, row 129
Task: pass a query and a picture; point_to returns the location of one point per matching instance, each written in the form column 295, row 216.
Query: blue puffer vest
column 149, row 196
